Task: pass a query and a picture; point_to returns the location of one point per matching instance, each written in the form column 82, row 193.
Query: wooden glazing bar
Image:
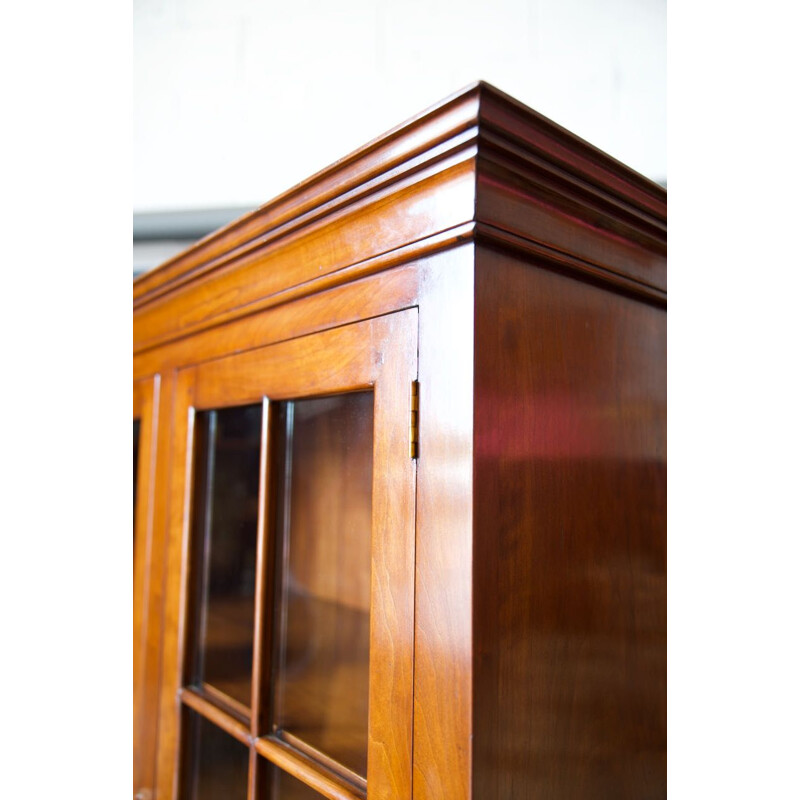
column 255, row 785
column 207, row 709
column 263, row 617
column 300, row 767
column 221, row 699
column 323, row 759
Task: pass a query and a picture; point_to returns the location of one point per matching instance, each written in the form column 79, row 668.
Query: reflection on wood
column 517, row 574
column 570, row 533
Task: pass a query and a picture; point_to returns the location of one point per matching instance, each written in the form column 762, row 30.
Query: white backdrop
column 237, row 100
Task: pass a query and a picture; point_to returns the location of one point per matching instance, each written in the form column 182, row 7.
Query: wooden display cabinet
column 400, row 524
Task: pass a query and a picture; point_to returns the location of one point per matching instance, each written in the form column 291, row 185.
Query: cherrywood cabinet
column 400, row 523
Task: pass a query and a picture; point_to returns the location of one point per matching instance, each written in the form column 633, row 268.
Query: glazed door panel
column 290, row 597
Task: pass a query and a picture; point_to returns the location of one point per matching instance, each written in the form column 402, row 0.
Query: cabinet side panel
column 569, row 614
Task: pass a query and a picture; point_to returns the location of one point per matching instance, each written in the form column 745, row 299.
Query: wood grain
column 213, row 713
column 379, row 354
column 302, row 768
column 517, row 602
column 371, row 296
column 566, row 262
column 265, row 589
column 442, row 201
column 570, row 538
column 479, row 156
column 384, row 154
column 541, row 137
column 391, row 680
column 145, row 409
column 520, row 207
column 443, row 619
column 175, row 585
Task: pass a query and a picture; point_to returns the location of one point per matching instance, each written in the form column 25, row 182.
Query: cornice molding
column 564, row 189
column 551, row 258
column 503, row 142
column 502, row 114
column 405, row 145
column 229, row 245
column 414, row 251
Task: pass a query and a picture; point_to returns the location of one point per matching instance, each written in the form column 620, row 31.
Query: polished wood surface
column 142, row 407
column 516, row 577
column 221, row 718
column 146, row 606
column 538, row 181
column 304, row 769
column 263, row 628
column 445, row 199
column 378, row 354
column 570, row 538
column 443, row 615
column 285, row 787
column 371, row 296
column 478, row 157
column 391, row 156
column 176, row 575
column 393, row 556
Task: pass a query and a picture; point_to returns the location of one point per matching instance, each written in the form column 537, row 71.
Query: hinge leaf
column 413, row 428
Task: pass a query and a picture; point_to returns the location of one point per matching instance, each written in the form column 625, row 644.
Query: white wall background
column 238, row 100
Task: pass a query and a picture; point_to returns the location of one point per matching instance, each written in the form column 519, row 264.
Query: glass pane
column 321, row 666
column 135, row 468
column 225, row 522
column 284, row 787
column 216, row 764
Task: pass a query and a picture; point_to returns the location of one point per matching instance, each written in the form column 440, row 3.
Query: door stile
column 391, row 684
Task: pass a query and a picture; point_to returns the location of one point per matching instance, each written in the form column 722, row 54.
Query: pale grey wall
column 236, row 101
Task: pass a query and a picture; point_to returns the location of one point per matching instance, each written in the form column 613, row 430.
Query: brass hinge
column 413, row 428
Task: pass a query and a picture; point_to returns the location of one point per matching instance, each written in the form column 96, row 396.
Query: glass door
column 293, row 615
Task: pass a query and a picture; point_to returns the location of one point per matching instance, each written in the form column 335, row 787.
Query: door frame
column 380, row 354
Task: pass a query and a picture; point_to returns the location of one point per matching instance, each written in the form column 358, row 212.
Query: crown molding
column 478, row 159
